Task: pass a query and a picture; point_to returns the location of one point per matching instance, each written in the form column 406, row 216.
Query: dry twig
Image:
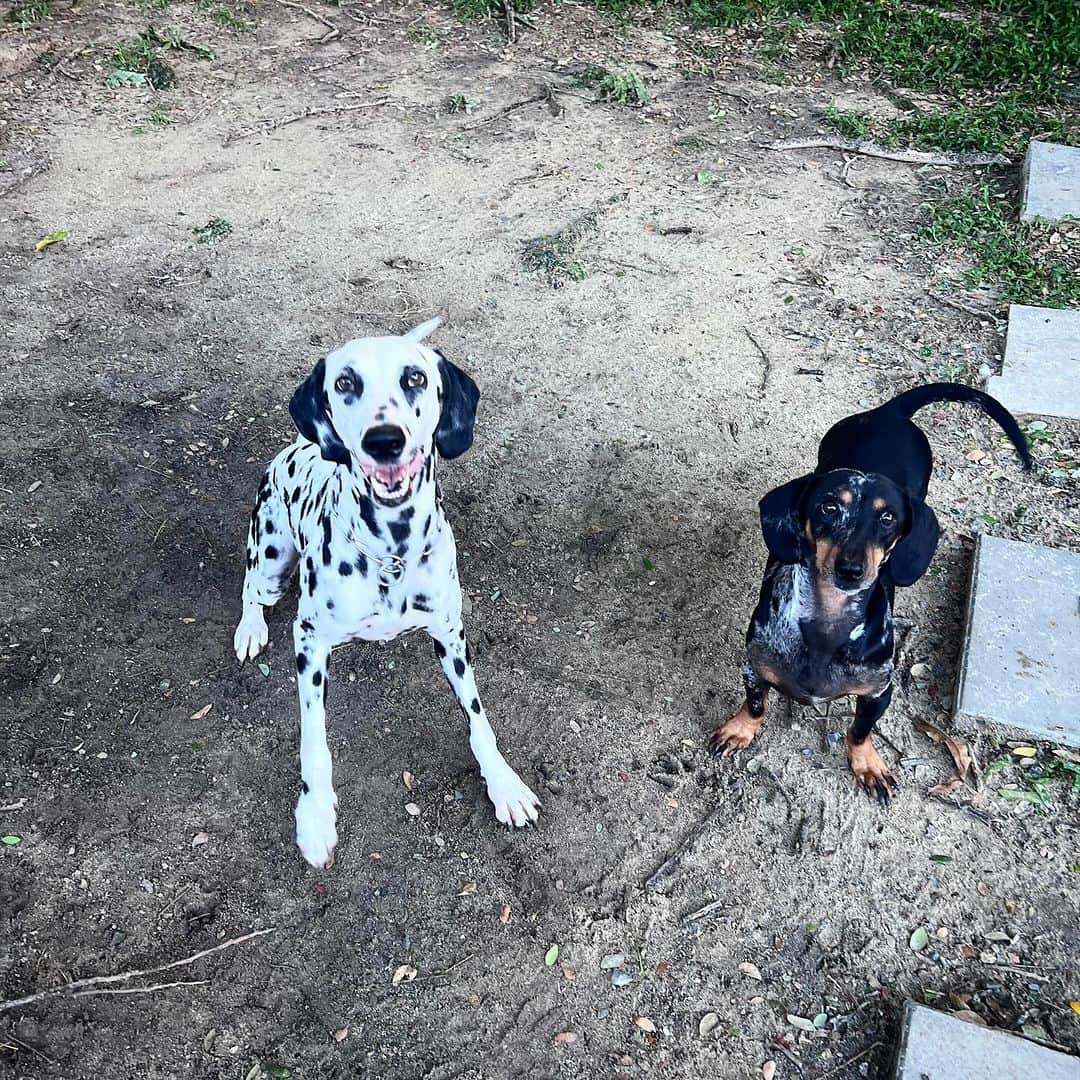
column 869, row 149
column 332, row 33
column 95, row 983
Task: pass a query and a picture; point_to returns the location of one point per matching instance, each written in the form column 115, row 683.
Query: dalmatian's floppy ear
column 460, row 395
column 424, row 330
column 781, row 520
column 310, row 410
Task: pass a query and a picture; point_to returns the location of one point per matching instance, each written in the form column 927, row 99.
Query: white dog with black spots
column 355, row 504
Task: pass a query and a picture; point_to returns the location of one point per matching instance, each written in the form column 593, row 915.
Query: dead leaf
column 646, row 1024
column 970, row 1017
column 708, row 1024
column 201, row 713
column 341, row 1034
column 568, row 972
column 956, row 746
column 412, row 809
column 199, row 839
column 33, row 487
column 565, row 1038
column 750, row 970
column 468, row 888
column 405, row 973
column 1075, row 1006
column 504, row 914
column 801, row 1023
column 947, row 788
column 408, row 779
column 768, row 1070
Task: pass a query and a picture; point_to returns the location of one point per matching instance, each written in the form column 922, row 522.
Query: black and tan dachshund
column 840, row 540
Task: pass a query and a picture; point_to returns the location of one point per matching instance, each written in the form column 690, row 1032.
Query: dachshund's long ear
column 911, row 556
column 460, row 395
column 781, row 520
column 310, row 410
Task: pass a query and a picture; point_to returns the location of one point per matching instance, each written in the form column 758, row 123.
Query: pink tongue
column 391, row 475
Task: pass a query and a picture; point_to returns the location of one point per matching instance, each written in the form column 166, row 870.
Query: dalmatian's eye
column 416, row 379
column 888, row 518
column 829, row 508
column 344, row 385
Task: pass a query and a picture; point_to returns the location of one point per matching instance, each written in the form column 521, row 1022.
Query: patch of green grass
column 623, row 87
column 215, row 229
column 28, row 12
column 952, row 44
column 461, row 103
column 1004, row 127
column 482, row 9
column 160, row 116
column 1015, row 257
column 851, row 125
column 226, row 16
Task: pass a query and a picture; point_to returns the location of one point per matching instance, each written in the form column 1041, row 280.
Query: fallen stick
column 691, row 838
column 332, row 33
column 80, row 987
column 869, row 149
column 764, row 356
column 327, row 110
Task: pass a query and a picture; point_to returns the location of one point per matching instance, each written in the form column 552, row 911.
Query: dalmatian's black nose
column 384, row 443
column 849, row 571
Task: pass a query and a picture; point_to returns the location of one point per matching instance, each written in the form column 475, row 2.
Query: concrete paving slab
column 1020, row 667
column 1041, row 372
column 936, row 1046
column 1051, row 180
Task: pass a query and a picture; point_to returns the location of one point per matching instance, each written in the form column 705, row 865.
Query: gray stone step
column 936, row 1046
column 1051, row 181
column 1041, row 372
column 1020, row 667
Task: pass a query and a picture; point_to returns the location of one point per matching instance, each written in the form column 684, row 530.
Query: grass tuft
column 1019, row 259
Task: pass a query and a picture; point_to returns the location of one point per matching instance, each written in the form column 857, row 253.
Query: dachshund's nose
column 849, row 571
column 384, row 443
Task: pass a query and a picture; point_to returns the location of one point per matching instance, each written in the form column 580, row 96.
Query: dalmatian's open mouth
column 393, row 484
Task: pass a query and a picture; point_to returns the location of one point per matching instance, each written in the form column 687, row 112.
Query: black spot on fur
column 367, row 512
column 292, row 469
column 269, row 526
column 324, row 521
column 295, row 496
column 304, row 787
column 301, row 662
column 404, row 606
column 271, row 551
column 344, row 568
column 427, row 524
column 316, row 679
column 329, row 605
column 399, row 529
column 306, row 626
column 361, row 565
column 475, row 705
column 421, row 602
column 440, row 649
column 459, row 666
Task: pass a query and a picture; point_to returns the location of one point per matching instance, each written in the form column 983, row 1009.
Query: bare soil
column 610, row 552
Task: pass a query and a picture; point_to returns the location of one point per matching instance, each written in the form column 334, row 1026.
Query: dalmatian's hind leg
column 271, row 558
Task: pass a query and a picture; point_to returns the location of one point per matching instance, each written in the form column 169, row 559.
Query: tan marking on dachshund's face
column 852, row 522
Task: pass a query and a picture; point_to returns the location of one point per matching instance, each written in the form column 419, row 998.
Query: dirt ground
column 610, row 553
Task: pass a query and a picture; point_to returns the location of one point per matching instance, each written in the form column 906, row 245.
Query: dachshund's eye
column 829, row 508
column 888, row 518
column 416, row 379
column 343, row 384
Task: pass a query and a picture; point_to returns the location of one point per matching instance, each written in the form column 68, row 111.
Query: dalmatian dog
column 354, row 504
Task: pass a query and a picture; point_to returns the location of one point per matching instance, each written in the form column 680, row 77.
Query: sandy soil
column 611, row 555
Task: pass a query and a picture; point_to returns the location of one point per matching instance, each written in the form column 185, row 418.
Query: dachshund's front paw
column 735, row 734
column 871, row 772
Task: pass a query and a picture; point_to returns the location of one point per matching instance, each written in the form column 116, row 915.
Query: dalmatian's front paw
column 251, row 635
column 316, row 829
column 515, row 803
